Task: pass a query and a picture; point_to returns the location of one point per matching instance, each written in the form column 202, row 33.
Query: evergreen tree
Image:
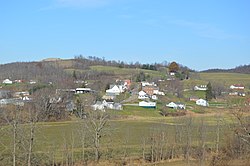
column 209, row 92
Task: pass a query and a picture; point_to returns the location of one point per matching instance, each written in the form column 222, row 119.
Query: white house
column 7, row 81
column 157, row 92
column 172, row 105
column 148, row 84
column 172, row 73
column 26, row 98
column 237, row 86
column 115, row 106
column 147, row 104
column 83, row 90
column 98, row 106
column 176, row 105
column 142, row 95
column 32, row 82
column 115, row 90
column 122, row 88
column 109, row 105
column 201, row 88
column 202, row 102
column 181, row 106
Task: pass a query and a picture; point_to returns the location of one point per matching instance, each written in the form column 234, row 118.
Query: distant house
column 202, row 102
column 80, row 82
column 127, row 83
column 7, row 81
column 106, row 105
column 233, row 94
column 98, row 106
column 176, row 105
column 115, row 90
column 144, row 83
column 124, row 83
column 32, row 82
column 142, row 95
column 26, row 98
column 172, row 105
column 237, row 87
column 193, row 98
column 83, row 90
column 115, row 106
column 157, row 92
column 19, row 81
column 172, row 73
column 150, row 89
column 181, row 106
column 109, row 97
column 21, row 94
column 200, row 88
column 147, row 104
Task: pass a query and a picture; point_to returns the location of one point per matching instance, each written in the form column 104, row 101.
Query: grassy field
column 126, row 71
column 122, row 134
column 227, row 78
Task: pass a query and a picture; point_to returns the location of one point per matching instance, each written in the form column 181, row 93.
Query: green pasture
column 137, row 111
column 125, row 71
column 227, row 78
column 120, row 135
column 123, row 136
column 190, row 93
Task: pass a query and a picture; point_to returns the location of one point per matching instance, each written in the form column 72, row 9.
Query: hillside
column 244, row 69
column 131, row 133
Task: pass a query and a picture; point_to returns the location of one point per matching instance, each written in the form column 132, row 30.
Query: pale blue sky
column 200, row 34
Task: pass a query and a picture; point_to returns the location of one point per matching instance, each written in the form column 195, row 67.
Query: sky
column 200, row 34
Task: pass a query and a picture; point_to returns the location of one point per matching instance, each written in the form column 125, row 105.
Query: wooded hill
column 244, row 69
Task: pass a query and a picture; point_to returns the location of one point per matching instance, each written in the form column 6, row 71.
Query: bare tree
column 33, row 119
column 175, row 87
column 243, row 128
column 93, row 121
column 218, row 88
column 49, row 105
column 13, row 118
column 96, row 122
column 218, row 129
column 188, row 124
column 202, row 140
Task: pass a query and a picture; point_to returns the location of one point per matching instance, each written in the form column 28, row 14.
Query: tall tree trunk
column 97, row 154
column 14, row 142
column 217, row 133
column 31, row 141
